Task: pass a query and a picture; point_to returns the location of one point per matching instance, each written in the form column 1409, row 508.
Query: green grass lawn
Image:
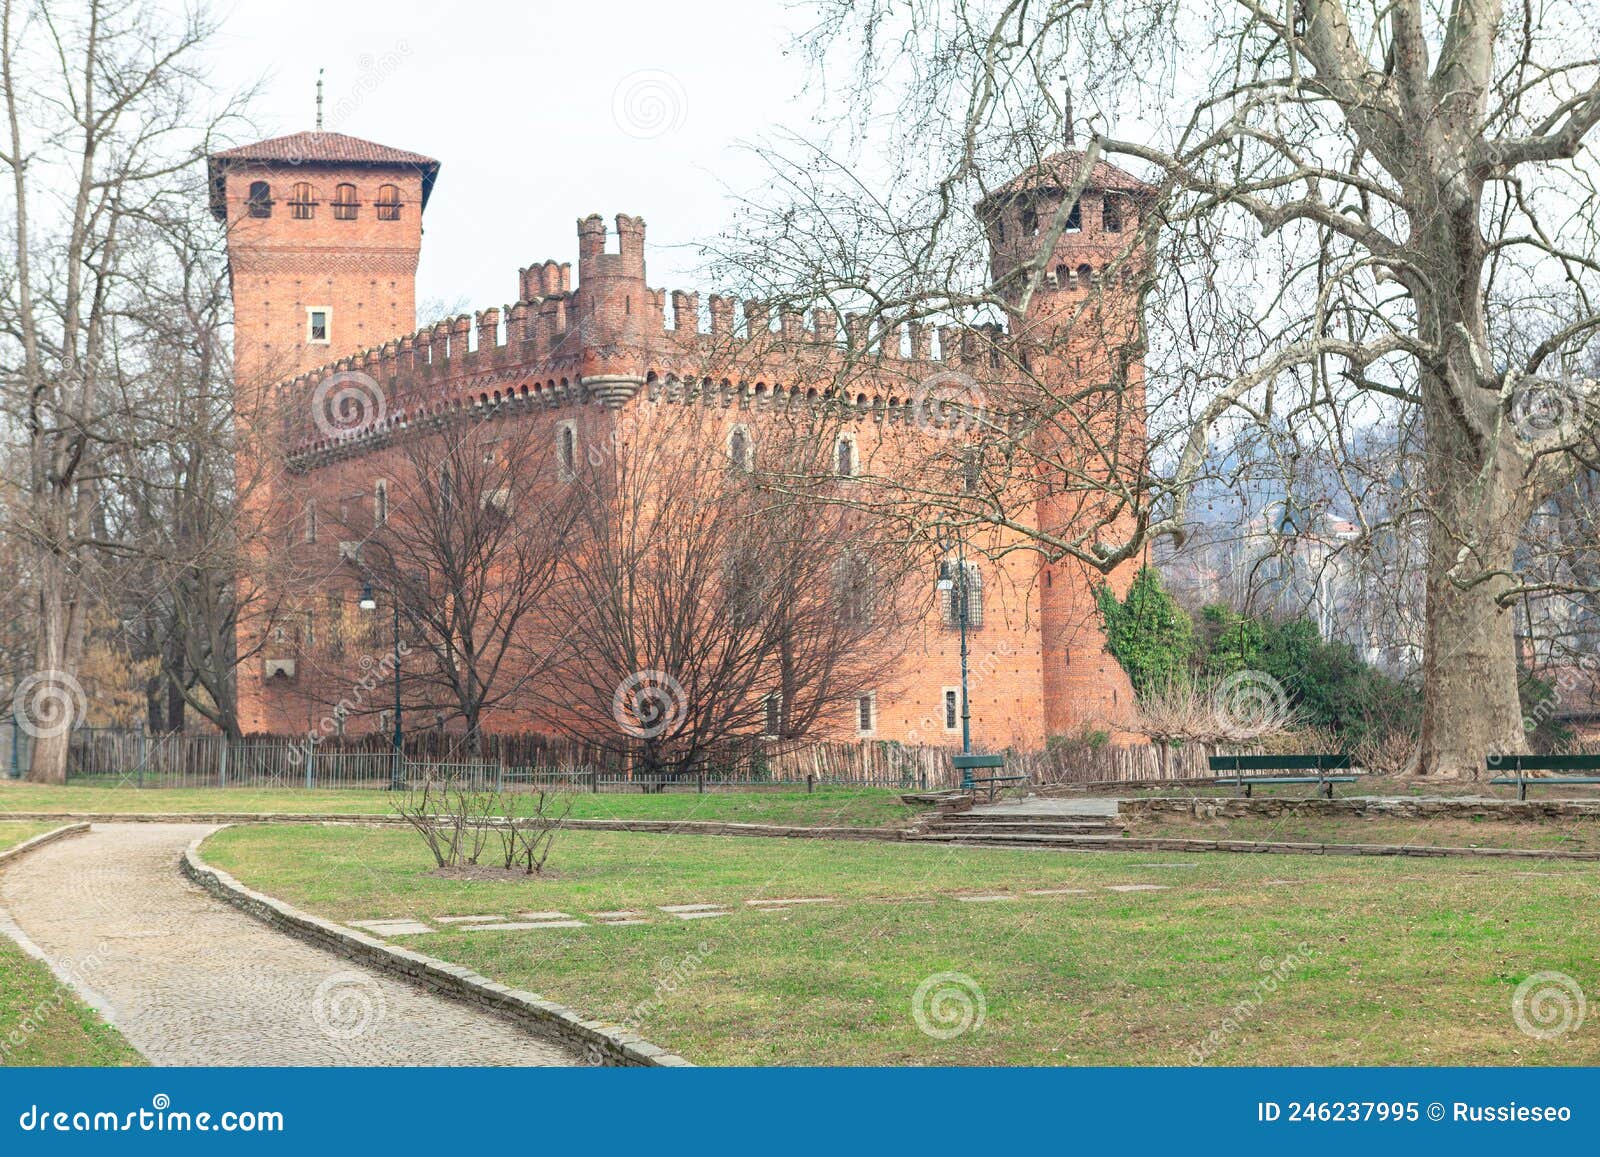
column 853, row 807
column 41, row 1023
column 1372, row 961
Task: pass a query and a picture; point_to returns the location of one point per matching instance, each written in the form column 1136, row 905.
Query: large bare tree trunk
column 1472, row 708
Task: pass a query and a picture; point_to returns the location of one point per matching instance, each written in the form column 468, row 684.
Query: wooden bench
column 967, row 764
column 1521, row 764
column 1322, row 764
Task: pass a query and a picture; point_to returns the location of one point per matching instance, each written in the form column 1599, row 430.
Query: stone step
column 1025, row 839
column 1078, row 829
column 979, row 817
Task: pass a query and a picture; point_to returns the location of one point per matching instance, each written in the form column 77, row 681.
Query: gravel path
column 191, row 981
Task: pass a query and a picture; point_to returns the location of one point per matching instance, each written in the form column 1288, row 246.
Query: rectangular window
column 567, row 451
column 311, row 522
column 1075, row 217
column 380, row 502
column 772, row 725
column 1111, row 216
column 952, row 708
column 866, row 713
column 317, row 319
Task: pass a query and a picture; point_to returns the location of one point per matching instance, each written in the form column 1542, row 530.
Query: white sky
column 516, row 101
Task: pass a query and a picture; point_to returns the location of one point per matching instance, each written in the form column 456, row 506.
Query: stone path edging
column 1266, row 847
column 41, row 839
column 664, row 827
column 609, row 1044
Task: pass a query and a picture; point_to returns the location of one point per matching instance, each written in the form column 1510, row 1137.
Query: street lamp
column 957, row 587
column 369, row 602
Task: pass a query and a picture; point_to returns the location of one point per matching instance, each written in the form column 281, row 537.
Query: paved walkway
column 191, row 981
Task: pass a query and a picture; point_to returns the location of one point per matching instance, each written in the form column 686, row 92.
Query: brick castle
column 324, row 235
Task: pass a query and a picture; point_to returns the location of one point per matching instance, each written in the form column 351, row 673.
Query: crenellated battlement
column 612, row 335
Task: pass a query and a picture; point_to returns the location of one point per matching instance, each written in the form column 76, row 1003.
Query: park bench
column 1522, row 764
column 993, row 783
column 1274, row 767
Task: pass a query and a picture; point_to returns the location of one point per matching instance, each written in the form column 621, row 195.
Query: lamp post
column 957, row 587
column 369, row 602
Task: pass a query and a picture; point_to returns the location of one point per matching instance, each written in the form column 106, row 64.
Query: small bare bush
column 459, row 823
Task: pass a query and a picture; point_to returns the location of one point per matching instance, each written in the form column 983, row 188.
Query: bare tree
column 703, row 612
column 99, row 129
column 468, row 541
column 1359, row 217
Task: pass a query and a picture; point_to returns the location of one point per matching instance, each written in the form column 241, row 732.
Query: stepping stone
column 780, row 903
column 677, row 908
column 1136, row 887
column 626, row 923
column 468, row 919
column 625, row 914
column 393, row 927
column 1057, row 891
column 984, row 899
column 519, row 926
column 698, row 915
column 544, row 916
column 1166, row 865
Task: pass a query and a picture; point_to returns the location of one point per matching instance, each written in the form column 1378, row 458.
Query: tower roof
column 1061, row 170
column 317, row 148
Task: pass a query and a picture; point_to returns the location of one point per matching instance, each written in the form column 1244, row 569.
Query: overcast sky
column 540, row 113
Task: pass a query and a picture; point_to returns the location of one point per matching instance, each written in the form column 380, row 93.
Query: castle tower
column 1075, row 331
column 616, row 309
column 324, row 232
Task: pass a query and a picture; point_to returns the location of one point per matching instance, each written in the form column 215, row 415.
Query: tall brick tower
column 324, row 231
column 1076, row 330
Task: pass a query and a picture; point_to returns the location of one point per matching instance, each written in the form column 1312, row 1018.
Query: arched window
column 1075, row 218
column 302, row 204
column 260, row 199
column 1030, row 223
column 388, row 202
column 1063, row 276
column 739, row 449
column 345, row 205
column 960, row 587
column 1111, row 215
